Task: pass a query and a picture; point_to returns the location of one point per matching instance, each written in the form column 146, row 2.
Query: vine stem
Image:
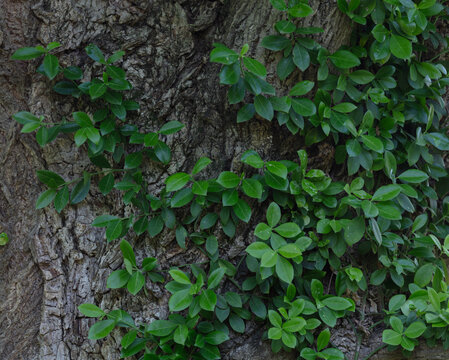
column 93, row 174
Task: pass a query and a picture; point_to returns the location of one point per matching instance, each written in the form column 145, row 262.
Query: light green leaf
column 400, row 47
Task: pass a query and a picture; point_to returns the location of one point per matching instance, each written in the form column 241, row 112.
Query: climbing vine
column 324, row 238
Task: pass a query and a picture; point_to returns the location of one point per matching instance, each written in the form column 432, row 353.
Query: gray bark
column 53, row 262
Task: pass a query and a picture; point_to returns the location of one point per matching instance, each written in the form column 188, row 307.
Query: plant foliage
column 378, row 100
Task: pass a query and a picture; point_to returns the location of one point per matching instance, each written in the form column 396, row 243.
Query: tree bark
column 53, row 263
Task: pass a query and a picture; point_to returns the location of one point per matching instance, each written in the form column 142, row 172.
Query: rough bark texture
column 55, row 262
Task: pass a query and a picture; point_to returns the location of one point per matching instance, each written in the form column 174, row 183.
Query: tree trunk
column 53, row 263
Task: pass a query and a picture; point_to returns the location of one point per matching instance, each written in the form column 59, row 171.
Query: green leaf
column 233, row 299
column 215, row 278
column 115, row 72
column 119, row 111
column 354, row 230
column 344, row 107
column 208, row 300
column 216, row 337
column 376, row 231
column 180, row 300
column 378, row 277
column 424, row 275
column 279, row 4
column 304, row 107
column 3, row 239
column 400, row 47
column 275, row 42
column 290, row 251
column 49, row 178
column 258, row 307
column 27, row 53
column 230, row 74
column 97, row 90
column 228, row 179
column 323, row 339
column 273, row 214
column 179, row 276
column 128, row 252
column 420, row 222
column 90, row 310
column 155, row 225
column 208, row 221
column 413, row 176
column 396, row 302
column 301, row 57
column 373, row 143
column 440, row 141
column 133, row 160
column 262, row 231
column 396, row 324
column 80, row 191
column 200, row 165
column 181, row 198
column 387, row 192
column 284, row 270
column 24, row 117
column 61, row 199
column 389, row 211
column 200, row 187
column 82, row 119
column 171, row 127
column 92, row 134
column 391, row 337
column 237, row 324
column 288, row 230
column 177, row 181
column 106, row 184
column 252, row 188
column 254, row 66
column 246, row 113
column 114, row 229
column 103, row 220
column 302, row 88
column 73, row 73
column 263, row 107
column 30, row 127
column 328, row 316
column 369, row 209
column 101, row 329
column 161, row 327
column 221, row 54
column 141, row 225
column 118, row 279
column 242, row 210
column 257, row 249
column 51, row 66
column 45, row 198
column 300, row 10
column 95, row 53
column 230, row 197
column 136, row 282
column 361, row 77
column 180, row 334
column 415, row 330
column 212, row 245
column 277, row 168
column 274, row 318
column 344, row 59
column 294, row 325
column 337, row 303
